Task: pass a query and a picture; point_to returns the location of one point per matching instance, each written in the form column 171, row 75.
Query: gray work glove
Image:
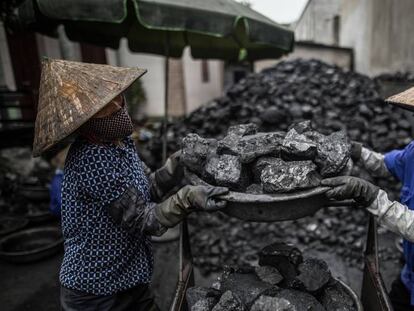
column 348, row 187
column 133, row 213
column 356, row 151
column 189, row 198
column 167, row 177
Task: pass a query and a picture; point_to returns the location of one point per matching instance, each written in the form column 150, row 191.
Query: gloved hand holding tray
column 271, row 176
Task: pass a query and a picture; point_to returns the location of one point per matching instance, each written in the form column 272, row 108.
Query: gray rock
column 335, row 298
column 267, row 303
column 250, row 147
column 206, row 304
column 243, row 129
column 289, row 176
column 298, row 146
column 268, row 274
column 284, row 257
column 229, row 302
column 333, row 153
column 260, row 164
column 197, row 293
column 246, row 286
column 314, row 274
column 299, row 301
column 254, row 189
column 302, row 127
column 195, row 150
column 227, row 171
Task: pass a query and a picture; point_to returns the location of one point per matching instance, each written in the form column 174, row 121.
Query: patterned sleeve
column 100, row 176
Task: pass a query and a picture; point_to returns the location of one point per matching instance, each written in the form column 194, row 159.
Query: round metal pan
column 9, row 224
column 355, row 298
column 270, row 207
column 31, row 244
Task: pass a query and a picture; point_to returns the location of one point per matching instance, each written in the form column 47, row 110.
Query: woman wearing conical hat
column 109, row 206
column 395, row 216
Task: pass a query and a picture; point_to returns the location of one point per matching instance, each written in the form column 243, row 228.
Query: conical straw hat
column 404, row 100
column 71, row 93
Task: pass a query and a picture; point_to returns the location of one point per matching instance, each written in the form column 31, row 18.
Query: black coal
column 289, row 92
column 266, row 287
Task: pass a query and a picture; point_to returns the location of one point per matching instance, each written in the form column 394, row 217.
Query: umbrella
column 213, row 29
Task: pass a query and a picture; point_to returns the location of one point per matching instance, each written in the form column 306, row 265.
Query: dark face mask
column 108, row 129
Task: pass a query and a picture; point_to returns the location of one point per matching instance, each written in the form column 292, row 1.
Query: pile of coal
column 274, row 161
column 284, row 280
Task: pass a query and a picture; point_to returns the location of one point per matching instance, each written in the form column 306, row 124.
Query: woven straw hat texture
column 71, row 93
column 404, row 99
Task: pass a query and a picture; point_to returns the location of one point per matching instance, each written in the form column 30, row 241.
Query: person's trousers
column 400, row 296
column 138, row 298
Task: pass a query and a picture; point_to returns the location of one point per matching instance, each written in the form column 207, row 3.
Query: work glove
column 189, row 198
column 167, row 177
column 348, row 187
column 138, row 216
column 356, row 150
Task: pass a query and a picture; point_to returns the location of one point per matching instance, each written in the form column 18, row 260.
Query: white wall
column 153, row 80
column 199, row 92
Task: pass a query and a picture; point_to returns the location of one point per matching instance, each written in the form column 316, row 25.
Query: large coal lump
column 206, row 295
column 289, row 176
column 300, row 301
column 268, row 274
column 229, row 302
column 314, row 274
column 246, row 286
column 195, row 150
column 333, row 153
column 243, row 129
column 297, row 146
column 250, row 147
column 260, row 164
column 226, row 170
column 336, row 298
column 284, row 257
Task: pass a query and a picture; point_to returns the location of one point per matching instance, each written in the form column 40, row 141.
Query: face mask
column 112, row 128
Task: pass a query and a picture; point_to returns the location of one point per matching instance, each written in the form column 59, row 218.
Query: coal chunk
column 284, row 257
column 205, row 304
column 268, row 303
column 227, row 171
column 247, row 286
column 229, row 302
column 297, row 146
column 250, row 147
column 302, row 127
column 195, row 150
column 314, row 274
column 289, row 176
column 260, row 164
column 300, row 301
column 336, row 298
column 196, row 293
column 243, row 129
column 268, row 274
column 333, row 153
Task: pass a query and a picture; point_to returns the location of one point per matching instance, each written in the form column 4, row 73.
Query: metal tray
column 270, row 207
column 31, row 244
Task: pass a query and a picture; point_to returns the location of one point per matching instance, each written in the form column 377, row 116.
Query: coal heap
column 291, row 91
column 270, row 287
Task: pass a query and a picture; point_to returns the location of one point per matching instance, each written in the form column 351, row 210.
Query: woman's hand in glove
column 348, row 187
column 189, row 198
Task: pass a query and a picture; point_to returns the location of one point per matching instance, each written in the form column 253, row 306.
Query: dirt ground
column 34, row 286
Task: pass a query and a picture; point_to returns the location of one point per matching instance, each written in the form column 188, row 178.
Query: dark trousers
column 400, row 296
column 138, row 298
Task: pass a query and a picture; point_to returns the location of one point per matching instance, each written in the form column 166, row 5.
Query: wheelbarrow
column 280, row 207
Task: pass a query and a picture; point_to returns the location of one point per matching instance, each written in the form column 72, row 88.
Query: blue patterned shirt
column 100, row 257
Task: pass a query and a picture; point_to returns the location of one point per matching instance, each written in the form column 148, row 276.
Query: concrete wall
column 379, row 31
column 198, row 92
column 341, row 57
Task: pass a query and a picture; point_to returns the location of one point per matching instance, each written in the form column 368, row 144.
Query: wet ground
column 34, row 286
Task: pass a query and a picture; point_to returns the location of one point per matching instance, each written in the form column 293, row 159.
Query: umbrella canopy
column 216, row 29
